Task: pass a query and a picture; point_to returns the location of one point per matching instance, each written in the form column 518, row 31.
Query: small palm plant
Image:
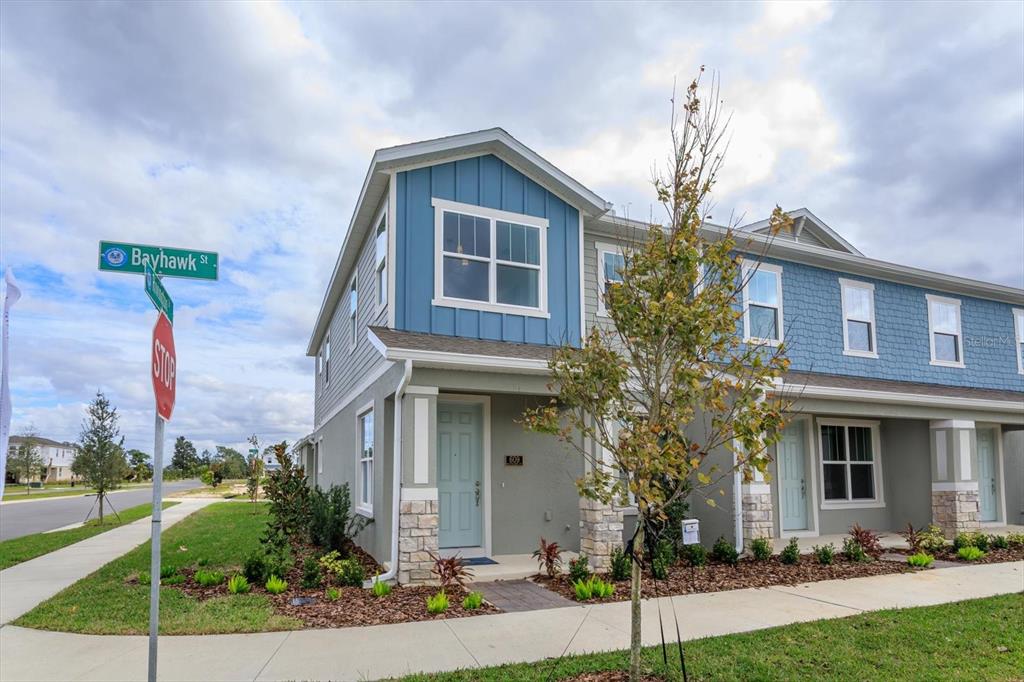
column 549, row 557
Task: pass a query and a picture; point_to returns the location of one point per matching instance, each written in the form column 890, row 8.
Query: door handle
column 477, row 487
column 803, row 488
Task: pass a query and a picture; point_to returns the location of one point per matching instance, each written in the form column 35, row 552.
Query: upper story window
column 944, row 333
column 365, row 463
column 353, row 310
column 611, row 260
column 381, row 262
column 1018, row 334
column 858, row 318
column 325, row 357
column 762, row 303
column 851, row 467
column 489, row 260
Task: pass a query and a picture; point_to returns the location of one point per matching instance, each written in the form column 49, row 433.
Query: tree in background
column 232, row 463
column 100, row 460
column 671, row 381
column 26, row 461
column 138, row 462
column 185, row 459
column 254, row 476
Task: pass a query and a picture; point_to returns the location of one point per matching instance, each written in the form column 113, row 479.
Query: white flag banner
column 12, row 296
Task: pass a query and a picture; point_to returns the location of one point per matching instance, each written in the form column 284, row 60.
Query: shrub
column 438, row 603
column 237, row 584
column 311, row 573
column 931, row 539
column 601, row 589
column 695, row 555
column 621, row 564
column 203, row 562
column 143, row 577
column 331, row 523
column 913, row 538
column 853, row 551
column 998, row 542
column 761, row 548
column 724, row 552
column 868, row 540
column 669, row 526
column 549, row 558
column 664, row 557
column 473, row 601
column 920, row 560
column 288, row 494
column 970, row 553
column 579, row 568
column 584, row 589
column 255, row 568
column 212, row 476
column 965, row 539
column 167, row 571
column 381, row 588
column 275, row 585
column 346, row 572
column 175, row 579
column 825, row 554
column 333, row 594
column 790, row 554
column 209, row 578
column 450, row 571
column 1015, row 539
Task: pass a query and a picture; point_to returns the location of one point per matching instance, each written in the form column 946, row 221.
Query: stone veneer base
column 417, row 539
column 600, row 532
column 955, row 511
column 757, row 516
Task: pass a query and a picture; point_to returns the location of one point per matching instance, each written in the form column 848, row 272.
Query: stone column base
column 600, row 532
column 758, row 513
column 955, row 511
column 417, row 538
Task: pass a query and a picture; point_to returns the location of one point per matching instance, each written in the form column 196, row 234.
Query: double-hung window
column 851, row 470
column 762, row 303
column 1018, row 336
column 490, row 260
column 353, row 313
column 611, row 260
column 944, row 332
column 858, row 300
column 326, row 357
column 381, row 262
column 364, row 433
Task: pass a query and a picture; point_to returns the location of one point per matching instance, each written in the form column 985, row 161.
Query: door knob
column 803, row 488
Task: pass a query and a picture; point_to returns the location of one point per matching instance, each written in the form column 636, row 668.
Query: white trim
column 418, row 494
column 955, row 302
column 381, row 215
column 465, row 361
column 492, row 216
column 869, row 395
column 755, row 489
column 878, row 501
column 392, row 246
column 318, row 457
column 869, row 287
column 376, row 342
column 951, row 424
column 965, row 456
column 747, row 270
column 583, row 299
column 810, row 456
column 352, row 318
column 422, row 390
column 359, row 506
column 1018, row 337
column 997, row 437
column 602, row 248
column 421, row 442
column 955, row 486
column 356, row 392
column 941, row 456
column 485, row 487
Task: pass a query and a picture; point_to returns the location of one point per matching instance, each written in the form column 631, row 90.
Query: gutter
column 737, row 503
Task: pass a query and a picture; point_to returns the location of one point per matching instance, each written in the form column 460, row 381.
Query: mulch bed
column 992, row 556
column 717, row 577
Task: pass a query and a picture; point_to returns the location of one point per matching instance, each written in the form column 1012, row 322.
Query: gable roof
column 390, row 160
column 807, row 228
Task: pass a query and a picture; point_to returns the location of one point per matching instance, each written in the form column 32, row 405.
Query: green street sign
column 167, row 262
column 158, row 295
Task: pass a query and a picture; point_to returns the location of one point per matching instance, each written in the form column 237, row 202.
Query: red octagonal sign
column 165, row 366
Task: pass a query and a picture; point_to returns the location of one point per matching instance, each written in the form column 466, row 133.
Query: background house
column 57, row 458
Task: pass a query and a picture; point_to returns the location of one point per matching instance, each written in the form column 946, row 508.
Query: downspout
column 396, row 483
column 737, row 505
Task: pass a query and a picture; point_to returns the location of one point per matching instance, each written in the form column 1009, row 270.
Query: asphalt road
column 25, row 518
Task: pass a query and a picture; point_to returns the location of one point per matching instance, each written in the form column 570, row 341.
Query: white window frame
column 931, row 298
column 491, row 304
column 747, row 271
column 878, row 500
column 353, row 314
column 602, row 281
column 318, row 456
column 365, row 508
column 869, row 287
column 380, row 262
column 326, row 355
column 1018, row 335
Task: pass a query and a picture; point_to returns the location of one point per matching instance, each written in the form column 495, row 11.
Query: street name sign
column 165, row 261
column 165, row 365
column 158, row 295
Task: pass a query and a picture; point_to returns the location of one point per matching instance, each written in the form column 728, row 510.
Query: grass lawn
column 17, row 550
column 981, row 639
column 110, row 602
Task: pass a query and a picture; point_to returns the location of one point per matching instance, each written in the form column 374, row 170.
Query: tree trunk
column 101, row 507
column 634, row 637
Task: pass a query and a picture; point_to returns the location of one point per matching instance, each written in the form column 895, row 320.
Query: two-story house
column 468, row 258
column 57, row 457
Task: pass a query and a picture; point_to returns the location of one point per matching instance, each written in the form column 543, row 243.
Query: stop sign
column 164, row 367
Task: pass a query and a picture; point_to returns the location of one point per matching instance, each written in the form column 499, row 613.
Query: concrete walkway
column 392, row 650
column 31, row 582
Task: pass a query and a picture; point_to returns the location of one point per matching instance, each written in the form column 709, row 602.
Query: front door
column 987, row 491
column 459, row 474
column 792, row 449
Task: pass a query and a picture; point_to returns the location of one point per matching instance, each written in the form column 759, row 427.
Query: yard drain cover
column 302, row 601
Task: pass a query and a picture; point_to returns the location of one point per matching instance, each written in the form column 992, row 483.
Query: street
column 25, row 518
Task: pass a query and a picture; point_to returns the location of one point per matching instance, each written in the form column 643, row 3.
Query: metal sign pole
column 154, row 560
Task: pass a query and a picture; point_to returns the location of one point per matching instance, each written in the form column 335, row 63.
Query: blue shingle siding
column 813, row 326
column 490, row 182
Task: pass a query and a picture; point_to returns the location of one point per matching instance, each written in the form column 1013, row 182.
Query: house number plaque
column 513, row 460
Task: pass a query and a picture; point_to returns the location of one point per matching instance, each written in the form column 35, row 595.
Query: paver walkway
column 432, row 646
column 512, row 596
column 31, row 582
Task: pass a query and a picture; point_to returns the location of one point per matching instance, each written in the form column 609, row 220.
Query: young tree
column 254, row 478
column 671, row 380
column 26, row 461
column 100, row 460
column 185, row 459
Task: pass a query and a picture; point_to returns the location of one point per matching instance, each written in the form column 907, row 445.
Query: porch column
column 757, row 512
column 418, row 508
column 954, row 464
column 600, row 525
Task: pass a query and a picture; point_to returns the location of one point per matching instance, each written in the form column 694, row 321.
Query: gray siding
column 906, row 466
column 1013, row 471
column 590, row 276
column 350, row 366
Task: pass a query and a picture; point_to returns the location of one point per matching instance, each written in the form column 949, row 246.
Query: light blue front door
column 987, row 481
column 459, row 474
column 792, row 450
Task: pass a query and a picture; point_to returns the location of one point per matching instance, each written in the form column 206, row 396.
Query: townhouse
column 469, row 258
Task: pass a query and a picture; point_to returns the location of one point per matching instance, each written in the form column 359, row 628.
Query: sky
column 247, row 129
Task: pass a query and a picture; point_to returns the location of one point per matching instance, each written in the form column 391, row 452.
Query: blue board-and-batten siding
column 483, row 181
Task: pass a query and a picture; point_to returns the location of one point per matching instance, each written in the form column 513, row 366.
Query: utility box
column 691, row 532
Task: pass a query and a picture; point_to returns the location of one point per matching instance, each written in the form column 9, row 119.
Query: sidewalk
column 29, row 583
column 434, row 646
